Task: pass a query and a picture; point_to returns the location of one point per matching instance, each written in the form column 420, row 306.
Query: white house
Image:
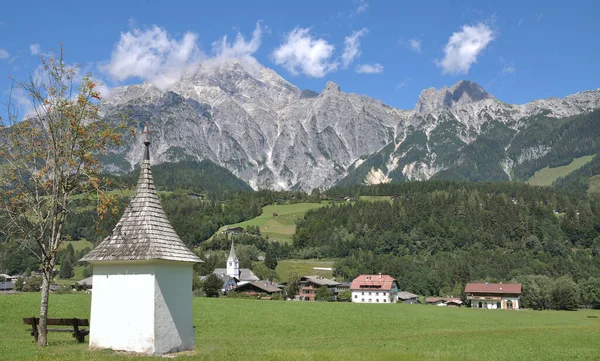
column 374, row 289
column 493, row 296
column 142, row 299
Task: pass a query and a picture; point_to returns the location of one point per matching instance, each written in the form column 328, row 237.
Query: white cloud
column 369, row 68
column 301, row 53
column 464, row 47
column 402, row 84
column 153, row 55
column 35, row 49
column 352, row 47
column 4, row 54
column 415, row 45
column 240, row 48
column 508, row 69
column 362, row 7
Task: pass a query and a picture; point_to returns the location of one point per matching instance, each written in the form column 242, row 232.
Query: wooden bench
column 75, row 324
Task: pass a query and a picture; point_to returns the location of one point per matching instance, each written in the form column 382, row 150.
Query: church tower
column 233, row 264
column 142, row 300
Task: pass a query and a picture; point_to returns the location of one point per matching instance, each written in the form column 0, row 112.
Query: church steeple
column 233, row 266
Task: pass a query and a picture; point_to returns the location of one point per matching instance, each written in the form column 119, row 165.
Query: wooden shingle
column 143, row 232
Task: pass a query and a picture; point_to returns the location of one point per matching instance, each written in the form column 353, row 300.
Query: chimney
column 379, row 274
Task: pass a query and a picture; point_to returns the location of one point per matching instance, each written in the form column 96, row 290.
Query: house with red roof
column 374, row 289
column 505, row 296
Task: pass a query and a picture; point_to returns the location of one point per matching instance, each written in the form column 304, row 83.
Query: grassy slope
column 234, row 329
column 77, row 245
column 280, row 228
column 303, row 268
column 547, row 176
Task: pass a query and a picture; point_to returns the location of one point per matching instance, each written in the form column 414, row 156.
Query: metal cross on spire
column 147, row 142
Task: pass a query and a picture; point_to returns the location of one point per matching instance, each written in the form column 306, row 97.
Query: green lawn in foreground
column 282, row 227
column 236, row 329
column 303, row 267
column 547, row 176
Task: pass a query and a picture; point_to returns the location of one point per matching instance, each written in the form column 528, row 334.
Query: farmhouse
column 310, row 284
column 7, row 286
column 374, row 289
column 444, row 301
column 234, row 230
column 142, row 299
column 407, row 297
column 259, row 287
column 494, row 295
column 233, row 275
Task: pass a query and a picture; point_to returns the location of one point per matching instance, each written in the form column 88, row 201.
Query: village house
column 374, row 289
column 259, row 287
column 310, row 284
column 6, row 287
column 407, row 297
column 494, row 295
column 444, row 301
column 234, row 230
column 142, row 277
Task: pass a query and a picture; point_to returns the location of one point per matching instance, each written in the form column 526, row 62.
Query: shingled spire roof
column 232, row 251
column 143, row 232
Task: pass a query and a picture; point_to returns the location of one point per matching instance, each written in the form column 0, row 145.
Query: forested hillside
column 438, row 234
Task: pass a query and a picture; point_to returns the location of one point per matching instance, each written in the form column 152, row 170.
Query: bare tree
column 48, row 158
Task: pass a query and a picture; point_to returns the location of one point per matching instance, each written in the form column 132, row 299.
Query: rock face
column 271, row 134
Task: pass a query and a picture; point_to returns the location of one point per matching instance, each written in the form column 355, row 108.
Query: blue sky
column 390, row 50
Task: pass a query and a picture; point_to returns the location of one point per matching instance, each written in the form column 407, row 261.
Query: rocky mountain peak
column 463, row 92
column 331, row 87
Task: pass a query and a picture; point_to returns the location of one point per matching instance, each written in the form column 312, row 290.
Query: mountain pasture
column 236, row 329
column 278, row 221
column 547, row 176
column 303, row 267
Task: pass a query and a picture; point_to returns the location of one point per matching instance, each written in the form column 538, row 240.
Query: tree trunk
column 42, row 328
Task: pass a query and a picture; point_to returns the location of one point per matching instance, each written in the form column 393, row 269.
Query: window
column 230, row 263
column 385, row 293
column 384, row 300
column 376, row 293
column 480, row 304
column 363, row 293
column 362, row 300
column 369, row 293
column 499, row 305
column 355, row 296
column 378, row 300
column 370, row 300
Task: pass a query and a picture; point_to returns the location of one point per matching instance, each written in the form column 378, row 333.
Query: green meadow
column 303, row 267
column 547, row 176
column 281, row 227
column 237, row 329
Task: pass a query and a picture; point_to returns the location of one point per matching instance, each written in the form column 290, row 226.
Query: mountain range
column 251, row 121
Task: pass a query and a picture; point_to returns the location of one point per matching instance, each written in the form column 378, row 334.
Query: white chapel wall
column 122, row 313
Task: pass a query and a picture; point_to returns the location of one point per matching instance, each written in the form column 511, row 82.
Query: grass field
column 77, row 245
column 303, row 268
column 282, row 227
column 547, row 176
column 375, row 198
column 236, row 329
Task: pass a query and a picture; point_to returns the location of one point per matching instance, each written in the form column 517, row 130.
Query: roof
column 232, row 252
column 378, row 282
column 493, row 288
column 443, row 299
column 86, row 281
column 265, row 286
column 403, row 295
column 143, row 232
column 245, row 274
column 319, row 281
